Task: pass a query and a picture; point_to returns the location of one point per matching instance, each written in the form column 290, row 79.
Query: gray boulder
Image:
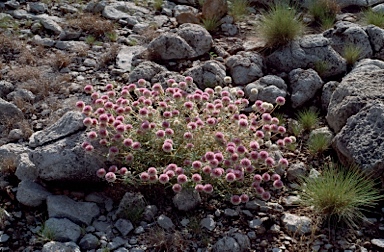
column 207, row 74
column 308, row 52
column 71, row 122
column 25, row 169
column 268, row 87
column 245, row 67
column 5, row 88
column 327, row 92
column 62, row 230
column 50, row 23
column 60, row 247
column 145, row 70
column 165, row 222
column 9, row 111
column 190, row 41
column 294, row 223
column 88, row 242
column 235, row 243
column 349, row 34
column 347, row 3
column 376, row 39
column 355, row 91
column 361, row 140
column 186, row 200
column 304, row 85
column 130, row 203
column 31, row 194
column 61, row 206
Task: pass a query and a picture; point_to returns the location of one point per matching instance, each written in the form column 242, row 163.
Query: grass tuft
column 238, row 9
column 318, row 144
column 340, row 194
column 324, row 9
column 211, row 24
column 351, row 53
column 307, row 118
column 374, row 18
column 280, row 25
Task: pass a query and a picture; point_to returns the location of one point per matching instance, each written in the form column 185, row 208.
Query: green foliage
column 324, row 9
column 280, row 25
column 8, row 22
column 158, row 4
column 351, row 53
column 318, row 143
column 321, row 67
column 327, row 23
column 307, row 118
column 134, row 214
column 46, row 234
column 238, row 9
column 374, row 18
column 211, row 24
column 340, row 194
column 112, row 36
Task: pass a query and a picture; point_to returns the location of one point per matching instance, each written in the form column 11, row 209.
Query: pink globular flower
column 169, row 131
column 111, row 93
column 120, row 128
column 287, row 140
column 265, row 196
column 129, row 158
column 153, row 178
column 110, row 177
column 170, row 173
column 167, row 147
column 88, row 89
column 263, row 155
column 188, row 105
column 209, row 156
column 196, row 178
column 152, row 171
column 103, row 132
column 259, row 134
column 281, row 129
column 219, row 157
column 199, row 188
column 143, row 111
column 274, row 128
column 249, row 169
column 103, row 118
column 239, row 93
column 275, row 177
column 266, row 177
column 217, row 172
column 278, row 184
column 163, row 178
column 101, row 172
column 80, row 105
column 123, row 171
column 257, row 178
column 103, row 141
column 266, row 117
column 219, row 136
column 267, row 127
column 254, row 155
column 160, row 133
column 179, row 171
column 188, row 80
column 113, row 150
column 136, row 145
column 128, row 142
column 87, row 121
column 188, row 135
column 112, row 168
column 280, row 100
column 207, row 169
column 141, row 82
column 211, row 121
column 244, row 198
column 230, row 177
column 259, row 190
column 269, row 161
column 243, row 123
column 172, row 167
column 283, row 162
column 192, row 125
column 87, row 110
column 230, row 149
column 241, row 149
column 109, row 87
column 226, row 100
column 280, row 142
column 177, row 188
column 245, row 162
column 235, row 199
column 182, row 179
column 234, row 157
column 208, row 188
column 254, row 145
column 214, row 162
column 196, row 164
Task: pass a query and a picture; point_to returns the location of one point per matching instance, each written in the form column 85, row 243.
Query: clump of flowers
column 198, row 139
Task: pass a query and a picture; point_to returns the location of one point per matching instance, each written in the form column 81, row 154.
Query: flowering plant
column 197, row 139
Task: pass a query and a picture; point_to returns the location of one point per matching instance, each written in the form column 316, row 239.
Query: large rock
column 125, row 56
column 81, row 213
column 31, row 194
column 304, row 85
column 68, row 124
column 349, row 34
column 187, row 200
column 214, row 9
column 237, row 243
column 60, row 247
column 361, row 140
column 356, row 90
column 145, row 70
column 62, row 230
column 376, row 38
column 9, row 112
column 296, row 224
column 268, row 87
column 308, row 52
column 207, row 74
column 190, row 41
column 349, row 3
column 245, row 67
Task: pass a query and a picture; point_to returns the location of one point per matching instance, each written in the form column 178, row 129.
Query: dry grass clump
column 25, row 73
column 109, row 56
column 10, row 46
column 60, row 60
column 92, row 24
column 8, row 165
column 166, row 241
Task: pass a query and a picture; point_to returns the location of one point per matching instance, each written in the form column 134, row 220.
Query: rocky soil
column 50, row 198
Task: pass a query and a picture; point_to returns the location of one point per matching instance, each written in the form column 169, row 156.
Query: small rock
column 165, row 222
column 208, row 223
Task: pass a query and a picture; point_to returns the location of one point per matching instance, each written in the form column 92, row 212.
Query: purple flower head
column 265, row 196
column 101, row 172
column 244, row 198
column 110, row 177
column 196, row 178
column 163, row 178
column 208, row 188
column 235, row 199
